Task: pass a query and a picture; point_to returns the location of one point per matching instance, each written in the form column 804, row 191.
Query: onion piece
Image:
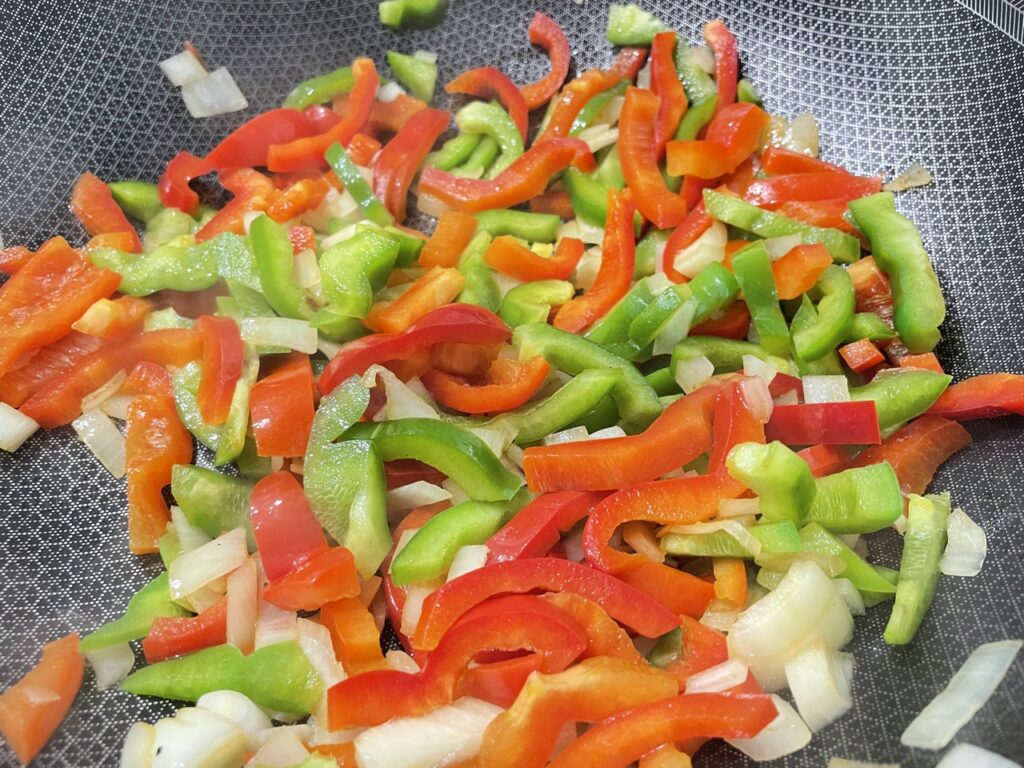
column 573, row 546
column 702, row 56
column 826, row 389
column 572, row 435
column 718, row 678
column 968, row 690
column 966, row 546
column 818, row 680
column 239, row 709
column 840, row 762
column 315, row 641
column 274, row 625
column 468, row 558
column 189, row 536
column 497, row 435
column 721, row 615
column 243, row 606
column 784, row 735
column 608, row 432
column 281, row 749
column 111, row 665
column 758, row 398
column 597, row 137
column 94, row 399
column 193, row 570
column 428, row 56
column 970, row 756
column 458, row 494
column 183, row 68
column 139, row 745
column 418, row 494
column 402, row 402
column 400, row 661
column 733, row 527
column 854, row 599
column 306, row 269
column 739, row 507
column 15, row 428
column 611, row 111
column 777, row 247
column 102, row 437
column 706, row 249
column 430, row 205
column 691, row 375
column 389, row 92
column 197, row 737
column 215, row 94
column 413, row 609
column 762, row 369
column 658, row 282
column 675, row 330
column 587, row 268
column 280, row 332
column 116, row 406
column 915, row 175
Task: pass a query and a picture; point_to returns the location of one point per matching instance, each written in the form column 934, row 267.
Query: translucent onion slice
column 718, row 678
column 183, row 68
column 966, row 546
column 102, row 437
column 15, row 428
column 468, row 558
column 282, row 749
column 783, row 736
column 418, row 494
column 413, row 609
column 706, row 249
column 315, row 641
column 755, row 366
column 571, row 435
column 402, row 402
column 826, row 389
column 94, row 399
column 239, row 709
column 819, row 679
column 193, row 570
column 139, row 745
column 215, row 94
column 970, row 756
column 691, row 375
column 389, row 92
column 111, row 665
column 280, row 332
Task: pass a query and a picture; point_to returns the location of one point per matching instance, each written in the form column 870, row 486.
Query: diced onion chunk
column 215, row 94
column 692, row 374
column 103, row 438
column 826, row 389
column 280, row 332
column 966, row 546
column 183, row 68
column 15, row 428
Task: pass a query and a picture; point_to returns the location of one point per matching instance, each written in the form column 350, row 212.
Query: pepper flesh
column 547, row 33
column 982, row 397
column 223, row 357
column 177, row 636
column 508, row 384
column 536, row 528
column 144, row 607
column 779, row 477
column 281, row 406
column 901, row 395
column 860, row 500
column 732, row 135
column 509, row 257
column 399, row 160
column 638, row 151
column 825, row 424
column 754, row 273
column 834, row 314
column 490, row 83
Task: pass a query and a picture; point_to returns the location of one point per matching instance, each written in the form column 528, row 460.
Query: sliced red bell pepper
column 492, row 83
column 501, row 681
column 692, row 190
column 303, row 195
column 363, row 148
column 679, row 435
column 385, row 117
column 679, row 500
column 778, row 161
column 573, row 98
column 50, row 363
column 179, row 635
column 252, row 192
column 604, row 636
column 861, row 355
column 554, row 201
column 536, row 528
column 639, row 149
column 510, row 257
column 405, row 471
column 783, row 383
column 917, row 450
column 14, row 258
column 375, row 697
column 628, row 62
column 733, row 323
column 354, row 635
column 94, row 206
column 509, row 384
column 701, row 647
column 696, row 223
column 615, row 275
column 39, row 304
column 853, row 423
column 302, row 238
column 284, row 525
column 823, row 460
column 830, row 214
column 734, row 423
column 322, row 577
column 929, row 362
column 321, row 118
column 526, row 177
column 739, row 181
column 59, row 401
column 282, row 409
column 625, row 604
column 155, row 440
column 810, row 187
column 304, row 153
column 398, row 162
column 465, row 323
column 799, row 269
column 679, row 591
column 982, row 397
column 223, row 356
column 669, row 89
column 451, row 235
column 871, row 287
column 727, row 63
column 546, row 32
column 149, row 379
column 173, row 187
column 732, row 135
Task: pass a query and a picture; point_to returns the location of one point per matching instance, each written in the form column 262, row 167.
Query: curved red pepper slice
column 574, row 97
column 823, row 460
column 616, row 273
column 679, row 591
column 854, row 423
column 549, row 35
column 628, row 63
column 14, row 258
column 321, row 118
column 281, row 405
column 982, row 397
column 460, row 323
column 639, row 150
column 51, row 362
column 324, row 577
column 536, row 528
column 733, row 134
column 492, row 83
column 283, row 523
column 501, row 681
column 223, row 356
column 397, row 163
column 510, row 257
column 629, row 606
column 669, row 89
column 252, row 192
column 734, row 423
column 727, row 63
column 734, row 323
column 604, row 636
column 777, row 161
column 149, row 379
column 179, row 635
column 94, row 206
column 696, row 223
column 508, row 384
column 810, row 187
column 527, row 176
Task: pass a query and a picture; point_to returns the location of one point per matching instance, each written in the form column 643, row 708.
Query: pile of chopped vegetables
column 604, row 453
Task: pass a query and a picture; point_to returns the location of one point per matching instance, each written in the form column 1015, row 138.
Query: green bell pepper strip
column 481, row 288
column 250, row 303
column 228, row 439
column 490, row 119
column 357, row 186
column 417, row 74
column 753, row 270
column 603, row 415
column 353, row 270
column 638, row 404
column 663, row 382
column 166, row 226
column 412, row 14
column 429, row 553
column 775, row 538
column 613, row 328
column 868, row 325
column 150, row 602
column 482, row 158
column 274, row 262
column 138, row 199
column 589, row 198
column 834, row 314
column 918, row 305
column 251, row 465
column 278, row 677
column 892, row 576
column 573, row 400
column 409, row 246
column 781, row 479
column 455, row 451
column 213, row 502
column 732, row 210
column 454, row 152
column 534, row 227
column 668, row 648
column 631, row 25
column 713, row 289
column 320, row 89
column 697, row 83
column 746, row 92
column 697, row 116
column 593, row 107
column 814, row 538
column 859, row 500
column 337, row 327
column 902, row 395
column 344, row 481
column 609, row 170
column 923, row 544
column 169, row 545
column 532, row 302
column 725, row 354
column 649, row 251
column 806, row 317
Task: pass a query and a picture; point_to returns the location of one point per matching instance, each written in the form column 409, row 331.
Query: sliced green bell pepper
column 781, row 479
column 213, row 502
column 353, row 270
column 532, row 302
column 714, row 288
column 169, row 545
column 697, row 116
column 593, row 107
column 166, row 318
column 814, row 538
column 776, row 538
column 251, row 465
column 725, row 354
column 227, row 439
column 480, row 288
column 320, row 89
column 334, row 326
column 480, row 159
column 573, row 400
column 490, row 119
column 357, row 186
column 632, row 25
column 746, row 92
column 868, row 325
column 612, row 330
column 150, row 602
column 274, row 263
column 753, row 270
column 892, row 576
column 834, row 314
column 138, row 199
column 806, row 317
column 526, row 225
column 697, row 83
column 417, row 74
column 859, row 500
column 649, row 251
column 412, row 14
column 902, row 394
column 609, row 170
column 453, row 152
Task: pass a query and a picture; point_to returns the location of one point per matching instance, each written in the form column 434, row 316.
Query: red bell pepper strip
column 180, row 635
column 639, row 149
column 679, row 591
column 733, row 134
column 397, row 163
column 44, row 298
column 783, row 383
column 305, row 153
column 252, row 192
column 405, row 471
column 692, row 190
column 810, row 187
column 573, row 98
column 465, row 323
column 604, row 636
column 509, row 384
column 777, row 161
column 799, row 269
column 452, row 234
column 321, row 118
column 548, row 34
column 679, row 500
column 324, row 577
column 501, row 681
column 282, row 409
column 385, row 117
column 173, row 187
column 94, row 206
column 492, row 83
column 854, row 423
column 155, row 440
column 820, row 213
column 375, row 697
column 32, row 708
column 149, row 379
column 362, row 149
column 629, row 606
column 823, row 460
column 536, row 528
column 50, row 363
column 354, row 635
column 510, row 257
column 284, row 525
column 616, row 273
column 871, row 287
column 861, row 355
column 982, row 397
column 917, row 450
column 13, row 258
column 679, row 435
column 929, row 362
column 669, row 89
column 59, row 402
column 701, row 648
column 527, row 176
column 223, row 356
column 554, row 201
column 696, row 223
column 727, row 63
column 303, row 195
column 733, row 323
column 628, row 62
column 734, row 423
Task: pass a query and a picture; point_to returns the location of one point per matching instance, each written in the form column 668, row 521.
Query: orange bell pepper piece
column 94, row 206
column 861, row 355
column 734, row 323
column 680, row 592
column 871, row 287
column 281, row 406
column 149, row 379
column 730, row 580
column 354, row 635
column 361, row 149
column 13, row 258
column 778, row 161
column 927, row 360
column 666, row 756
column 302, row 196
column 179, row 635
column 510, row 257
column 385, row 117
column 436, row 288
column 470, row 361
column 810, row 187
column 324, row 576
column 799, row 269
column 554, row 201
column 47, row 365
column 546, row 32
column 604, row 636
column 500, row 682
column 509, row 384
column 573, row 98
column 732, row 135
column 452, row 234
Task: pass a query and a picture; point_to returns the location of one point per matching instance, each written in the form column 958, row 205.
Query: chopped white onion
column 428, row 56
column 826, row 389
column 611, row 111
column 802, row 135
column 840, row 762
column 94, row 399
column 458, row 494
column 965, row 694
column 721, row 615
column 306, row 269
column 676, row 329
column 718, row 678
column 705, row 250
column 817, row 678
column 777, row 247
column 900, row 525
column 643, row 77
column 248, row 217
column 703, row 58
column 401, row 401
column 970, row 756
column 138, row 748
column 739, row 507
column 571, row 435
column 573, row 546
column 854, row 599
column 189, row 536
column 344, row 233
column 103, row 438
column 587, row 268
column 515, row 455
column 15, row 428
column 468, row 558
column 315, row 641
column 789, row 397
column 111, row 665
column 597, row 137
column 784, row 735
column 658, row 282
column 239, row 709
column 607, row 433
column 301, row 731
column 282, row 749
column 274, row 625
column 389, row 92
column 413, row 609
column 116, row 406
column 966, row 546
column 505, row 283
column 447, row 735
column 328, row 348
column 758, row 398
column 591, row 235
column 280, row 332
column 403, row 540
column 418, row 494
column 497, row 435
column 183, row 68
column 194, row 570
column 762, row 369
column 692, row 374
column 197, row 737
column 400, row 661
column 215, row 94
column 430, row 205
column 916, row 175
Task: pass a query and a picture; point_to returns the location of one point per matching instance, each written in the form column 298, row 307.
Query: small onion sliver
column 103, row 438
column 969, row 756
column 15, row 428
column 966, row 546
column 718, row 678
column 111, row 665
column 215, row 94
column 784, row 735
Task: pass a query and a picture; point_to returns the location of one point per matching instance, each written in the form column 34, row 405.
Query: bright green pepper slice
column 834, row 314
column 412, row 14
column 274, row 262
column 334, row 326
column 138, row 199
column 814, row 538
column 697, row 116
column 753, row 269
column 417, row 74
column 532, row 302
column 213, row 502
column 649, row 251
column 806, row 317
column 453, row 152
column 776, row 538
column 480, row 288
column 594, row 106
column 357, row 186
column 490, row 119
column 631, row 25
column 589, row 198
column 250, row 464
column 902, row 395
column 781, row 479
column 355, row 269
column 859, row 500
column 228, row 439
column 663, row 382
column 480, row 159
column 169, row 545
column 612, row 330
column 714, row 288
column 320, row 89
column 725, row 354
column 150, row 602
column 609, row 170
column 746, row 92
column 697, row 83
column 535, row 227
column 868, row 325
